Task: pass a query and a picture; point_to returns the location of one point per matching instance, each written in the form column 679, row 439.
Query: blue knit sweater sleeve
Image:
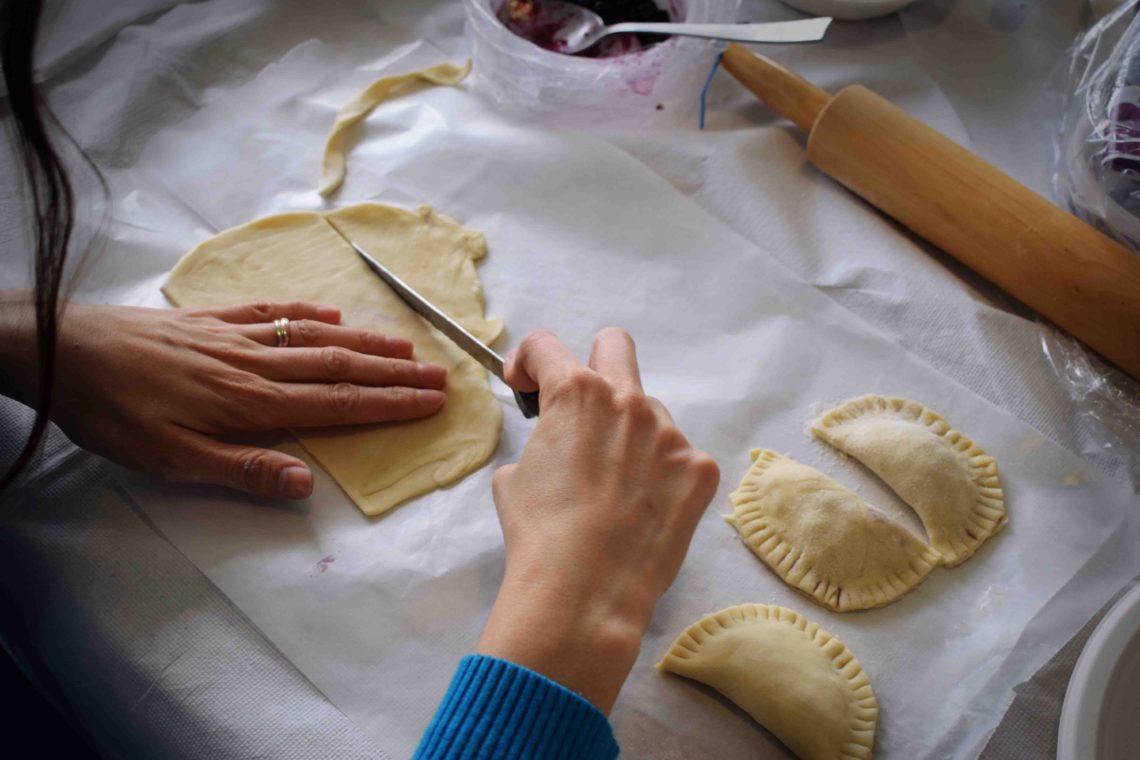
column 497, row 709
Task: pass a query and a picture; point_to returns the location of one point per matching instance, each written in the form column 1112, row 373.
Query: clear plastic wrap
column 1106, row 404
column 1098, row 145
column 656, row 87
column 1098, row 176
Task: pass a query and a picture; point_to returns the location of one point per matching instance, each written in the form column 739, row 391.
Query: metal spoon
column 577, row 28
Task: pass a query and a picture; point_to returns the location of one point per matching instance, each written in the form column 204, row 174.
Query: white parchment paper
column 378, row 611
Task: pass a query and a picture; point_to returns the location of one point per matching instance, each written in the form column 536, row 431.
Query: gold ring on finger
column 281, row 327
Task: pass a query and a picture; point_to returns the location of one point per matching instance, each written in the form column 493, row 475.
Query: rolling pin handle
column 783, row 91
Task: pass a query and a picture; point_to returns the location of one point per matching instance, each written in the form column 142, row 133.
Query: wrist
column 563, row 635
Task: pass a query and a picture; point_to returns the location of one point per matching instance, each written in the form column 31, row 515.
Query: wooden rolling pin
column 1053, row 262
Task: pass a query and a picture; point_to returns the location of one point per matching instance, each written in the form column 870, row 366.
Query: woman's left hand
column 159, row 390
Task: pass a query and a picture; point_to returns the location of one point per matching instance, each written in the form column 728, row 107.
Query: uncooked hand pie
column 793, row 677
column 944, row 476
column 824, row 540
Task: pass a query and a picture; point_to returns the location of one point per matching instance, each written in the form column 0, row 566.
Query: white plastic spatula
column 568, row 28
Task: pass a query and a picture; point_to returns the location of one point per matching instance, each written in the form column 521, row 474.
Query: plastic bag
column 656, row 87
column 1097, row 174
column 1098, row 145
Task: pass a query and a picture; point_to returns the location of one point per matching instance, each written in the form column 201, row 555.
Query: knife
column 478, row 350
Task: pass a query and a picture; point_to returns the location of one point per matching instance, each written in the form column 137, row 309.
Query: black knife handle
column 528, row 403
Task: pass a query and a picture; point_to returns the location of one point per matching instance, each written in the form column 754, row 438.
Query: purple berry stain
column 325, row 562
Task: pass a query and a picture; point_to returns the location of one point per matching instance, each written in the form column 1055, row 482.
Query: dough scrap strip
column 333, row 163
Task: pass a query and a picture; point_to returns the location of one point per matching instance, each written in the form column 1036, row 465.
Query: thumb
column 254, row 470
column 499, row 484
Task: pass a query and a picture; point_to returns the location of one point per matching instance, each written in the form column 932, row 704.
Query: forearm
column 17, row 346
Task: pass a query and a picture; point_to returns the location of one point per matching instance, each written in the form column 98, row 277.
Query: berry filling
column 533, row 21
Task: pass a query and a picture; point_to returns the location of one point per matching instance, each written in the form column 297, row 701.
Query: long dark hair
column 51, row 196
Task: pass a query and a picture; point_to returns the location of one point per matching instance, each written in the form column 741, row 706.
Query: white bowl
column 849, row 10
column 1100, row 719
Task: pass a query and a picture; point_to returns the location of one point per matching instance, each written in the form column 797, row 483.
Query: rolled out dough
column 301, row 256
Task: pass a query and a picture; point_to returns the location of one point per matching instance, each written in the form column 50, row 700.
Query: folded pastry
column 824, row 540
column 944, row 476
column 793, row 677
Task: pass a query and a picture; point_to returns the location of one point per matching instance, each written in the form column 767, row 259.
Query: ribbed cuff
column 497, row 709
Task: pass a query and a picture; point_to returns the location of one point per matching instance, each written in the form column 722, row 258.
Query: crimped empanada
column 796, row 679
column 824, row 540
column 944, row 476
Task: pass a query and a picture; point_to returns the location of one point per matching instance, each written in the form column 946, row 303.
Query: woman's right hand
column 596, row 517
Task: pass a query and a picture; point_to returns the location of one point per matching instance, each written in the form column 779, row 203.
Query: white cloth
column 139, row 86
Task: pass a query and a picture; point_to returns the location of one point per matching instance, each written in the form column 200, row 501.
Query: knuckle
column 232, row 350
column 534, row 339
column 634, row 405
column 336, row 362
column 262, row 309
column 673, row 439
column 397, row 372
column 303, row 331
column 582, row 383
column 343, row 397
column 269, row 395
column 370, row 339
column 501, row 476
column 258, row 402
column 705, row 469
column 401, row 396
column 251, row 469
column 247, row 388
column 585, row 380
column 661, row 410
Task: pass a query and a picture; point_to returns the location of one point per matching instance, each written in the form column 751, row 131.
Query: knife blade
column 477, row 349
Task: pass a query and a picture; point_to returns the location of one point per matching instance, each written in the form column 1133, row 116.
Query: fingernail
column 295, row 482
column 430, row 398
column 328, row 314
column 432, row 375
